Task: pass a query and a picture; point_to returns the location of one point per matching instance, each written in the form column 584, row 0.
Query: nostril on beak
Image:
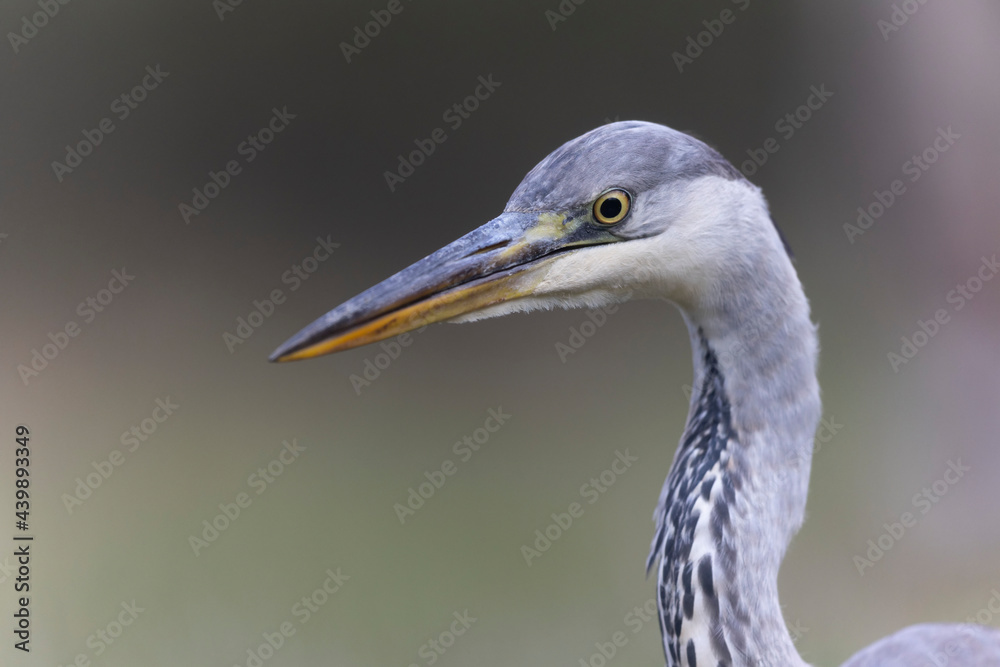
column 495, row 246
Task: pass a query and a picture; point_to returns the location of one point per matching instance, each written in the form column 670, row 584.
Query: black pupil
column 611, row 207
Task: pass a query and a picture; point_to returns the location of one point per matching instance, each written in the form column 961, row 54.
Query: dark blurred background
column 895, row 428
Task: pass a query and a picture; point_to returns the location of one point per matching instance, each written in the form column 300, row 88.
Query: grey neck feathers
column 736, row 492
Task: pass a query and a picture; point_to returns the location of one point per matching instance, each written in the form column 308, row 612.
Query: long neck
column 736, row 492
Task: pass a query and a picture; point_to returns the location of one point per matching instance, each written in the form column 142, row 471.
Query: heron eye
column 612, row 206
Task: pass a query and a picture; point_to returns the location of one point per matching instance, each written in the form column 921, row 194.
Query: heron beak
column 501, row 261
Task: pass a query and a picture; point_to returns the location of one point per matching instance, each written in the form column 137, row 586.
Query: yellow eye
column 612, row 207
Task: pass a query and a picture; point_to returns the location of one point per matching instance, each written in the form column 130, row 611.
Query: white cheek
column 640, row 268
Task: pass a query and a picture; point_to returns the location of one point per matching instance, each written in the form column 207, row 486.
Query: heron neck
column 736, row 492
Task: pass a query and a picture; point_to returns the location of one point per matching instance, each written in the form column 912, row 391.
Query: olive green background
column 322, row 176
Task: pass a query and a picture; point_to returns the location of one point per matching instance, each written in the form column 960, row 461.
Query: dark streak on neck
column 707, row 441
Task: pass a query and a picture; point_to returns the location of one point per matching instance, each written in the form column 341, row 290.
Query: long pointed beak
column 500, row 261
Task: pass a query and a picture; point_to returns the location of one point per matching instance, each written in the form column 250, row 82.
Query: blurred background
column 135, row 528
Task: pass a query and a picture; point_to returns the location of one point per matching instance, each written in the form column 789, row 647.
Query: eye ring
column 612, row 206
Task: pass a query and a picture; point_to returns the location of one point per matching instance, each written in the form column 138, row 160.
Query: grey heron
column 638, row 210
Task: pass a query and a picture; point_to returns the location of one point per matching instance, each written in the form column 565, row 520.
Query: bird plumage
column 933, row 645
column 699, row 235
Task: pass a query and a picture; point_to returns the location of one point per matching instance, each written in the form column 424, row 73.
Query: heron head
column 630, row 209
